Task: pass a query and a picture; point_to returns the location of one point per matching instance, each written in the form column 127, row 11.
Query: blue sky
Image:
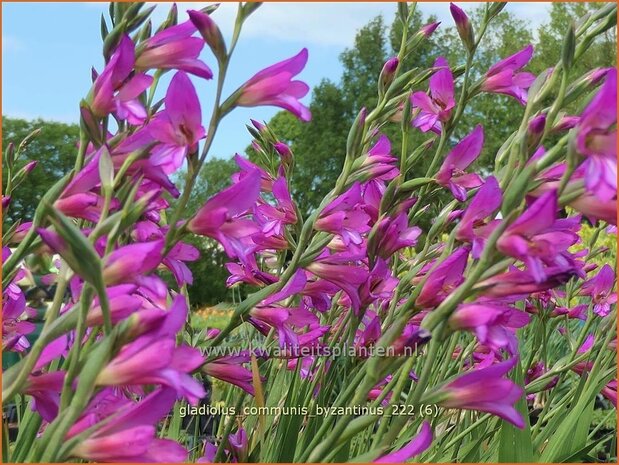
column 49, row 48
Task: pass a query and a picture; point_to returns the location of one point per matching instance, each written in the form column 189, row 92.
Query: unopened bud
column 429, row 29
column 356, row 133
column 536, row 130
column 495, row 8
column 586, row 83
column 569, row 47
column 387, row 74
column 209, row 32
column 464, row 27
column 258, row 125
column 9, row 154
column 566, row 123
column 283, row 150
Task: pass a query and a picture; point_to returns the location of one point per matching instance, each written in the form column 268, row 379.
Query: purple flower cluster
column 358, row 269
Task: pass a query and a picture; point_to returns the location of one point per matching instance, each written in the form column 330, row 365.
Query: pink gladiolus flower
column 392, row 235
column 345, row 217
column 538, row 239
column 435, row 108
column 493, row 324
column 283, row 319
column 179, row 127
column 14, row 315
column 503, row 77
column 153, row 358
column 129, row 262
column 600, row 289
column 45, row 390
column 174, row 48
column 610, row 392
column 239, row 444
column 231, row 370
column 592, row 207
column 346, row 277
column 472, row 227
column 420, row 443
column 274, row 218
column 219, row 217
column 597, row 139
column 378, row 162
column 536, row 371
column 448, row 275
column 518, row 283
column 175, row 261
column 274, row 86
column 114, row 91
column 379, row 285
column 130, row 435
column 485, row 390
column 452, row 175
column 122, row 304
column 283, row 150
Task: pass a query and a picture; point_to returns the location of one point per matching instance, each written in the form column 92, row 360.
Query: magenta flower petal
column 419, row 444
column 274, row 86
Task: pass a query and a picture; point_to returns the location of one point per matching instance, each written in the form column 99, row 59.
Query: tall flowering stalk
column 459, row 334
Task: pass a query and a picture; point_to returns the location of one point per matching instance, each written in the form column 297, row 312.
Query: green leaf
column 515, row 445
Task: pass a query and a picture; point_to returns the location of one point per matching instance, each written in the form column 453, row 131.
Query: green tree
column 602, row 53
column 319, row 145
column 54, row 148
column 499, row 114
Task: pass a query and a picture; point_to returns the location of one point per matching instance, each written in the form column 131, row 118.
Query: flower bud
column 9, row 154
column 429, row 29
column 29, row 166
column 566, row 123
column 89, row 124
column 258, row 125
column 585, row 84
column 106, row 171
column 209, row 32
column 356, row 133
column 283, row 150
column 6, row 200
column 569, row 47
column 495, row 8
column 387, row 74
column 543, row 84
column 407, row 109
column 536, row 130
column 463, row 24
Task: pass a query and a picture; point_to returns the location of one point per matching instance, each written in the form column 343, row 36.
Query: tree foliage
column 54, row 148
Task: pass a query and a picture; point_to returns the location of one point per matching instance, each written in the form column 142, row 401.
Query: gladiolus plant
column 456, row 315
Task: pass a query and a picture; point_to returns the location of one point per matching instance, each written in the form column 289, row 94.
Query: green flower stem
column 73, row 358
column 395, row 399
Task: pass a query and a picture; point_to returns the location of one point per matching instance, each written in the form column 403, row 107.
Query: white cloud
column 335, row 23
column 328, row 23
